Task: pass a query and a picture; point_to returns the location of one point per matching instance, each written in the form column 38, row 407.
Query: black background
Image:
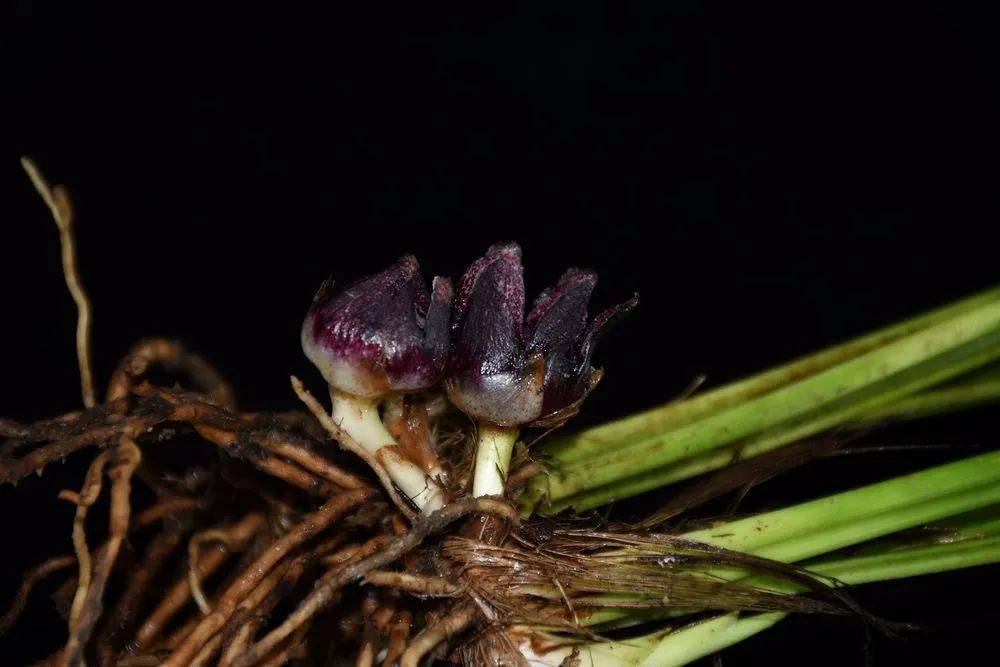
column 770, row 179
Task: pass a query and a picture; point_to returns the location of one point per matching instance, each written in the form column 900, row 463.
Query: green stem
column 962, row 496
column 820, row 526
column 876, row 402
column 598, row 439
column 854, row 516
column 701, row 639
column 842, row 394
column 708, row 637
column 938, row 401
column 688, row 643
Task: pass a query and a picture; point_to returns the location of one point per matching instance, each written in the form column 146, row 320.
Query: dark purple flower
column 380, row 333
column 561, row 335
column 510, row 370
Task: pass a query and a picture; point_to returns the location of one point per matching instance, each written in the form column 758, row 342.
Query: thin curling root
column 88, row 496
column 58, row 201
column 125, row 457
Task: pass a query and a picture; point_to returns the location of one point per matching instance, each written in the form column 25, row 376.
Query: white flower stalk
column 494, row 448
column 380, row 335
column 358, row 416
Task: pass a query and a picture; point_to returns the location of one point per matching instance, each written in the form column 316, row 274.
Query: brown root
column 28, row 582
column 334, row 580
column 312, row 525
column 126, row 457
column 452, row 623
column 399, row 634
column 178, row 594
column 87, row 496
column 141, row 579
column 172, row 356
column 415, row 583
column 254, row 609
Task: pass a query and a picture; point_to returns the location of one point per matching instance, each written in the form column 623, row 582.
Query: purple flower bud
column 560, row 334
column 510, row 371
column 490, row 377
column 380, row 333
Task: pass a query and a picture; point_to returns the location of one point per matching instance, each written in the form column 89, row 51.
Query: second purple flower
column 509, row 370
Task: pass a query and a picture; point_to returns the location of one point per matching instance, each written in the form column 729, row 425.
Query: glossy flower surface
column 510, row 370
column 381, row 333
